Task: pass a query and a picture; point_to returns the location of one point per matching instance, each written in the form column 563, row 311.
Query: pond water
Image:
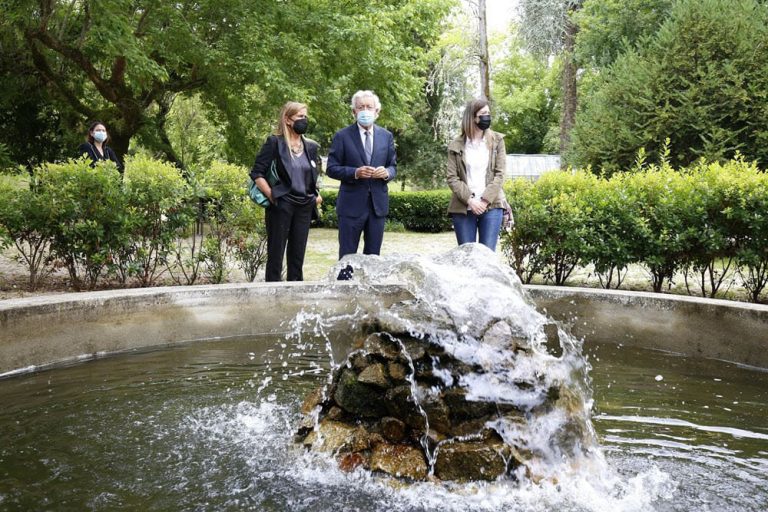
column 209, row 426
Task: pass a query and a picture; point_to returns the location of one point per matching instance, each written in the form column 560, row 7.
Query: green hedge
column 153, row 221
column 424, row 212
column 707, row 223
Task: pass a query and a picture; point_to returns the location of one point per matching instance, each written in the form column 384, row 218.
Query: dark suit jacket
column 275, row 148
column 346, row 155
column 89, row 149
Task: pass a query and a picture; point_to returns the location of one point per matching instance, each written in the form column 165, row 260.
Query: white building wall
column 531, row 166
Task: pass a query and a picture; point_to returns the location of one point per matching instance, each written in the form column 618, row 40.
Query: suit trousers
column 287, row 233
column 370, row 225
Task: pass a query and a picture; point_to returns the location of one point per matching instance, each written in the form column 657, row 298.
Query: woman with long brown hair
column 477, row 162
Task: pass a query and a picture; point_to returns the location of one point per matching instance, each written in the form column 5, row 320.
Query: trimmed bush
column 158, row 206
column 424, row 212
column 26, row 219
column 90, row 212
column 707, row 221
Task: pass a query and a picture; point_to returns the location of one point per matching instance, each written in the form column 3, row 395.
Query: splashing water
column 210, row 425
column 476, row 310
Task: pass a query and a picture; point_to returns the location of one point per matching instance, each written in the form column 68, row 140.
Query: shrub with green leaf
column 25, row 223
column 521, row 244
column 422, row 211
column 232, row 221
column 159, row 204
column 706, row 223
column 89, row 208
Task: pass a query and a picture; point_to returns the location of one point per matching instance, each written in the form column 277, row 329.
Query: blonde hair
column 289, row 109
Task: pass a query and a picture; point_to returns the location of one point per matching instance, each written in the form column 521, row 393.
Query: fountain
column 465, row 382
column 211, row 424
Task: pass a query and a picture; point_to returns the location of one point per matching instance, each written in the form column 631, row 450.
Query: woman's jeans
column 287, row 228
column 487, row 225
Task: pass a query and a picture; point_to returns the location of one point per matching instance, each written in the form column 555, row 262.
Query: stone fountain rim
column 37, row 332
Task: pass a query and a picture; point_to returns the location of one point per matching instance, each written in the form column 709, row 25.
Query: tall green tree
column 124, row 62
column 527, row 98
column 607, row 28
column 701, row 81
column 549, row 28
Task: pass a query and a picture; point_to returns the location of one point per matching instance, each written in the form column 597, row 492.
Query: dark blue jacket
column 346, row 155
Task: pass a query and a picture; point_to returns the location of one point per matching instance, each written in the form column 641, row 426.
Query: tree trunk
column 119, row 142
column 485, row 71
column 570, row 99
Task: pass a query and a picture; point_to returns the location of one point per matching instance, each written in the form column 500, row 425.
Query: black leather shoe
column 346, row 273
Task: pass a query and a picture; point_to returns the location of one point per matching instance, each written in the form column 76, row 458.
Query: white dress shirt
column 362, row 135
column 476, row 158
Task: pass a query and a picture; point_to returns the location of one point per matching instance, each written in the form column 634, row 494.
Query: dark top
column 89, row 149
column 302, row 187
column 346, row 155
column 297, row 178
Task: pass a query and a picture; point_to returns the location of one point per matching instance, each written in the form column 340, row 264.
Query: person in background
column 295, row 196
column 475, row 173
column 363, row 159
column 96, row 147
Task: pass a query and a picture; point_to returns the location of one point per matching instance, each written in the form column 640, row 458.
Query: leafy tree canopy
column 527, row 95
column 124, row 61
column 701, row 80
column 607, row 28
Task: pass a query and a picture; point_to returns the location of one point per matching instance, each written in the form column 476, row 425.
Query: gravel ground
column 322, row 254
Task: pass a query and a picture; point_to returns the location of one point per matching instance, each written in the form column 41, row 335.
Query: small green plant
column 158, row 206
column 89, row 208
column 26, row 219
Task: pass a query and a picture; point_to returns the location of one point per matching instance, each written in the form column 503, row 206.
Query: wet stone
column 469, row 427
column 397, row 371
column 393, row 429
column 470, row 461
column 331, row 437
column 499, row 336
column 312, row 400
column 399, row 460
column 400, row 404
column 358, row 360
column 437, row 414
column 335, row 413
column 415, row 349
column 351, row 461
column 358, row 398
column 382, row 345
column 374, row 375
column 463, row 409
column 554, row 346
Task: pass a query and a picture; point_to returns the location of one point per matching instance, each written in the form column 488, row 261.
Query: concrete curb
column 692, row 326
column 46, row 330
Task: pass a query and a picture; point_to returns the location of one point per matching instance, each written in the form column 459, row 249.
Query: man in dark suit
column 362, row 158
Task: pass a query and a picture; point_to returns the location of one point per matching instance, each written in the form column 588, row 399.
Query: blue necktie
column 368, row 148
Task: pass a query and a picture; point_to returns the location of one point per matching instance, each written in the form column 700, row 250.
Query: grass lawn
column 323, row 248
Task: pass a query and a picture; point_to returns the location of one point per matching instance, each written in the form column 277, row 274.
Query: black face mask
column 485, row 122
column 300, row 126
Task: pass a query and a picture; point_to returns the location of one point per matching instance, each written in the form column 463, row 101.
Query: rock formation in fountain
column 465, row 382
